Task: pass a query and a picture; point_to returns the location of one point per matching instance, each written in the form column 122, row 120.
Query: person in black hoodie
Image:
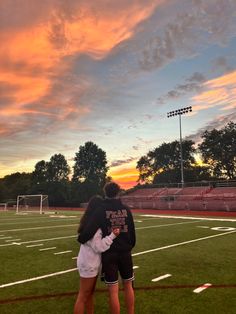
column 117, row 260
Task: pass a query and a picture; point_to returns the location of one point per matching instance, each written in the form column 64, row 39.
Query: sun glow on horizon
column 125, row 176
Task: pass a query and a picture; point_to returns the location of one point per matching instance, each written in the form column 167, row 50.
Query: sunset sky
column 73, row 71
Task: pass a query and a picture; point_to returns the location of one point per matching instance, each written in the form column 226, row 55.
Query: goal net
column 3, row 206
column 32, row 203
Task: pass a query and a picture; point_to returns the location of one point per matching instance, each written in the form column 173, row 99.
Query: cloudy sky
column 73, row 71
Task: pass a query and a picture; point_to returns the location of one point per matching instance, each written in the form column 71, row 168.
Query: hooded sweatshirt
column 112, row 214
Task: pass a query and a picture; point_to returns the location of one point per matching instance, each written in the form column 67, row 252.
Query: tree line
column 218, row 159
column 70, row 187
column 53, row 178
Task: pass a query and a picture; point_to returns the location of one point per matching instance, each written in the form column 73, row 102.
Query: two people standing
column 108, row 228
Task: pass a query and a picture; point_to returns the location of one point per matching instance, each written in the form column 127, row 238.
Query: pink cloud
column 220, row 92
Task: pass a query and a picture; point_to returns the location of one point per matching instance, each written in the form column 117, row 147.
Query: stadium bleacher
column 186, row 198
column 199, row 190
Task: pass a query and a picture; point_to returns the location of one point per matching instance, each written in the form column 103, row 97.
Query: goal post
column 3, row 206
column 32, row 203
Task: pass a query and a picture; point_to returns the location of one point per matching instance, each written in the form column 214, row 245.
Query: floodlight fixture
column 171, row 114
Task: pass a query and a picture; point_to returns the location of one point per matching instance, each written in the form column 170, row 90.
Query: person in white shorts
column 89, row 258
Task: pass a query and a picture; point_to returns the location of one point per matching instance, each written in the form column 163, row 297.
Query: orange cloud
column 126, row 177
column 27, row 62
column 34, row 50
column 219, row 92
column 14, row 111
column 211, row 97
column 227, row 80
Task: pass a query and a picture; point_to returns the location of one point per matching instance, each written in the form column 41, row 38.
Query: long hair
column 94, row 203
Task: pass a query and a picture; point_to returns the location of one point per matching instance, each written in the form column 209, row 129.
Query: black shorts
column 114, row 263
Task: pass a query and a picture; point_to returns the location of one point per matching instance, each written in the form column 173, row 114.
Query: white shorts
column 87, row 271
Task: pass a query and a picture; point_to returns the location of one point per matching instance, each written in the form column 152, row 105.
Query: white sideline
column 135, row 254
column 188, row 217
column 183, row 243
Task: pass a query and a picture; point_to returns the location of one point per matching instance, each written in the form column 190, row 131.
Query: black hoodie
column 112, row 214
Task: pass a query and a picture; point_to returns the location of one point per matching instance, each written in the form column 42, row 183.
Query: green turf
column 211, row 260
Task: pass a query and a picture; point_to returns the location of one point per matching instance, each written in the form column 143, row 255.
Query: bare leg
column 85, row 296
column 90, row 304
column 114, row 302
column 129, row 296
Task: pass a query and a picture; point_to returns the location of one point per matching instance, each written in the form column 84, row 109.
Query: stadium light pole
column 179, row 113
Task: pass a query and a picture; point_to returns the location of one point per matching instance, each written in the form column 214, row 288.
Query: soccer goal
column 32, row 203
column 3, row 206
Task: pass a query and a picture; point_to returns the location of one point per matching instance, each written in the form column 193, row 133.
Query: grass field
column 38, row 266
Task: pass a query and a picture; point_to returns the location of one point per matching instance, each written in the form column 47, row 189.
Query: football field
column 182, row 264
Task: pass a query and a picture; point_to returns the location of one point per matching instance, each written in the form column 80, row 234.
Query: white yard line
column 41, row 240
column 135, row 254
column 9, row 244
column 41, row 244
column 37, row 278
column 63, row 252
column 183, row 243
column 151, row 218
column 5, row 238
column 158, row 226
column 189, row 217
column 48, row 248
column 30, row 222
column 43, row 217
column 74, row 236
column 201, row 288
column 23, row 218
column 12, row 240
column 139, row 228
column 50, row 239
column 38, row 228
column 161, row 277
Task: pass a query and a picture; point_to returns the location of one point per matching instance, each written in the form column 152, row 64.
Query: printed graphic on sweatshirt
column 117, row 219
